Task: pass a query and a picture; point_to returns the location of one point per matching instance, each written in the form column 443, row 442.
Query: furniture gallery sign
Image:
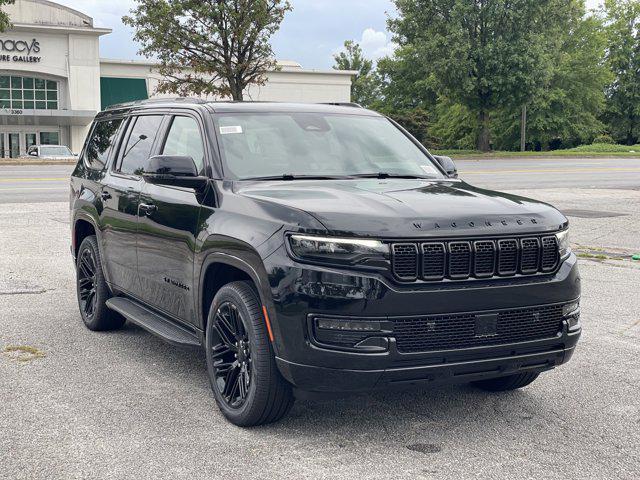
column 19, row 51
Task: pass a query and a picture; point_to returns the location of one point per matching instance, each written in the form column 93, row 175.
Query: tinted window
column 184, row 139
column 99, row 145
column 136, row 153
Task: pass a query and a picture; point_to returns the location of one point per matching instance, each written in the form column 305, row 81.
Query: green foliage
column 566, row 110
column 623, row 94
column 604, row 138
column 5, row 22
column 224, row 43
column 416, row 122
column 484, row 54
column 364, row 85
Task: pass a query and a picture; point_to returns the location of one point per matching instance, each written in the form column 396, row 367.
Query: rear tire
column 504, row 384
column 245, row 380
column 92, row 289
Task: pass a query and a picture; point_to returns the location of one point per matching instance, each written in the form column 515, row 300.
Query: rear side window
column 135, row 154
column 99, row 145
column 184, row 139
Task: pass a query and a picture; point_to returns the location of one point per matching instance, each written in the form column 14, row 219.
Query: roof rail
column 152, row 101
column 343, row 104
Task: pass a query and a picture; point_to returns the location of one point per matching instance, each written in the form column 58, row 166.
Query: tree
column 363, row 86
column 566, row 111
column 5, row 22
column 223, row 44
column 623, row 94
column 484, row 54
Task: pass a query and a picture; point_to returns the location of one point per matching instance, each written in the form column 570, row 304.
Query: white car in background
column 50, row 152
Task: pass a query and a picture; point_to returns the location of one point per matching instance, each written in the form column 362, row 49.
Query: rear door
column 121, row 198
column 169, row 224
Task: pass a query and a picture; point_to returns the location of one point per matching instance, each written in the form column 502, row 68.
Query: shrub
column 604, row 138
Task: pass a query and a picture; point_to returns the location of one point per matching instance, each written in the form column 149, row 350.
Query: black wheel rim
column 231, row 355
column 87, row 282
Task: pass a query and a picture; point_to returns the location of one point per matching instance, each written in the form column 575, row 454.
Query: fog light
column 348, row 325
column 571, row 312
column 571, row 308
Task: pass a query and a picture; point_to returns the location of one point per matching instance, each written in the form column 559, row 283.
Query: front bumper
column 299, row 291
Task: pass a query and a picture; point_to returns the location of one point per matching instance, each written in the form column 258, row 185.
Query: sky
column 311, row 34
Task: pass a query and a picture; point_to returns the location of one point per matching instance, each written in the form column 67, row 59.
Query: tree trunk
column 523, row 129
column 236, row 91
column 484, row 138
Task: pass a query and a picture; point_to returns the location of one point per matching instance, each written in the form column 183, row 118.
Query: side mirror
column 448, row 165
column 175, row 171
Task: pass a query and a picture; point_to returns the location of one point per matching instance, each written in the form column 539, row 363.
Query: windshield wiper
column 290, row 177
column 383, row 175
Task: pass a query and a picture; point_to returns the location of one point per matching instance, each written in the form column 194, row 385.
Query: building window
column 28, row 93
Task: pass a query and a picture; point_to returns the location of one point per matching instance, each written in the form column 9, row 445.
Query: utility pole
column 523, row 129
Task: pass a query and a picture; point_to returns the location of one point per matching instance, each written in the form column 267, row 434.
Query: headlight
column 564, row 246
column 337, row 250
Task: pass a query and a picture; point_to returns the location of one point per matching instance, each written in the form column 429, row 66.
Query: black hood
column 408, row 208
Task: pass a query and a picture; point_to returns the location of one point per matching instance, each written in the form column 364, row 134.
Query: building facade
column 53, row 81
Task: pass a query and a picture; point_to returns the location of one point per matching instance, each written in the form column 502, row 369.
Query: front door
column 168, row 228
column 13, row 145
column 121, row 198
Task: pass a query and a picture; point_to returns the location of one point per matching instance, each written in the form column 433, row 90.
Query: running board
column 160, row 326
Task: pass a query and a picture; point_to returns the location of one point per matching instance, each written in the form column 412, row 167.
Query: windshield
column 55, row 151
column 317, row 144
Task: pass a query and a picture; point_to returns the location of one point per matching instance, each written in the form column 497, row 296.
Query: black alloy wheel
column 87, row 282
column 92, row 289
column 241, row 365
column 231, row 354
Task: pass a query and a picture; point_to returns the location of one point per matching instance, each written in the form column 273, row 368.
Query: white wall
column 286, row 85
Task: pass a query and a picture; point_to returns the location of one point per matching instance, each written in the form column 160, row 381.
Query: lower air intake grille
column 457, row 331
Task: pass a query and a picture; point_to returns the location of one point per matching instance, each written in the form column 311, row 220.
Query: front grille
column 405, row 261
column 460, row 330
column 460, row 260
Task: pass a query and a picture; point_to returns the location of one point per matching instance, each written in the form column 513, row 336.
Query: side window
column 102, row 138
column 135, row 154
column 184, row 139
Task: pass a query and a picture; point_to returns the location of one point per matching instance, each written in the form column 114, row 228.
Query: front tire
column 92, row 289
column 245, row 380
column 504, row 384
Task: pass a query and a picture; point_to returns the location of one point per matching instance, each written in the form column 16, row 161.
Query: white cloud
column 374, row 44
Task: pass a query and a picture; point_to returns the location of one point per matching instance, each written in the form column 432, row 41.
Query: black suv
column 314, row 248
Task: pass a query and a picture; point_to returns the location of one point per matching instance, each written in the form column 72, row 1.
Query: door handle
column 105, row 195
column 147, row 208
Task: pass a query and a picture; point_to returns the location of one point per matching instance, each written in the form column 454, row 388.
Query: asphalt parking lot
column 79, row 404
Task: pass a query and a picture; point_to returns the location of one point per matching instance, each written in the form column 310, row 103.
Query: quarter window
column 135, row 154
column 28, row 93
column 184, row 139
column 99, row 145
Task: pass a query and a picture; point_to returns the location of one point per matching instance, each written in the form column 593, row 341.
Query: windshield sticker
column 229, row 130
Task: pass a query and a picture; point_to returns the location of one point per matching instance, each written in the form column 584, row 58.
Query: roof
column 246, row 107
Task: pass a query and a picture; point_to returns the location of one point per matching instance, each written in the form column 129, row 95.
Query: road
column 49, row 183
column 78, row 404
